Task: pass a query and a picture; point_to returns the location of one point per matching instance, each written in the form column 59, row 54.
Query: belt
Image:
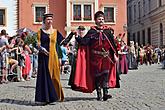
column 104, row 54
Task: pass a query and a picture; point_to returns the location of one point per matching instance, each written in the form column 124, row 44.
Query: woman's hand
column 74, row 32
column 60, row 62
column 116, row 57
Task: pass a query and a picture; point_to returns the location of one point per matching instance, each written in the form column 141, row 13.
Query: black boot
column 106, row 96
column 98, row 89
column 99, row 95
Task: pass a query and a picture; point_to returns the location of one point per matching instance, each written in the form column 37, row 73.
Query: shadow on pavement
column 64, row 79
column 20, row 102
column 33, row 103
column 66, row 87
column 79, row 99
column 27, row 86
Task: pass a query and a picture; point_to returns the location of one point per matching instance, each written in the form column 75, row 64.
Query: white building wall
column 11, row 16
column 151, row 18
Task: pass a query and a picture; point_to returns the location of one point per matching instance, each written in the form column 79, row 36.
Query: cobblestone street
column 142, row 89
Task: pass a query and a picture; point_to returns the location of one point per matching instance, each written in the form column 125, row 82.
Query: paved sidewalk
column 142, row 89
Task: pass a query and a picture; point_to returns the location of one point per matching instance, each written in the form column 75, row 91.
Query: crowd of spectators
column 18, row 60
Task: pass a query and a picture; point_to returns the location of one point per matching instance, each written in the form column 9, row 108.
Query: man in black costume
column 98, row 59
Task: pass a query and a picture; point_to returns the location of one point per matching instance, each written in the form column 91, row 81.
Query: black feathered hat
column 98, row 14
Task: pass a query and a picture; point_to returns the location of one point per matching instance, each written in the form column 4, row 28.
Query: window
column 160, row 3
column 76, row 12
column 2, row 17
column 149, row 7
column 134, row 12
column 128, row 38
column 130, row 14
column 87, row 12
column 134, row 37
column 144, row 7
column 161, row 34
column 138, row 37
column 143, row 34
column 38, row 13
column 139, row 10
column 82, row 12
column 149, row 35
column 109, row 14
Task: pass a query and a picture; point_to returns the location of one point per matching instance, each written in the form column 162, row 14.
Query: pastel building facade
column 81, row 12
column 8, row 16
column 69, row 14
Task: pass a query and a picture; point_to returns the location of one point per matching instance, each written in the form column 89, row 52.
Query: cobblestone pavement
column 142, row 89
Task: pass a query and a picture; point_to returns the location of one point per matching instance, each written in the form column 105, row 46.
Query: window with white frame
column 77, row 12
column 2, row 17
column 87, row 12
column 134, row 12
column 82, row 12
column 39, row 10
column 109, row 13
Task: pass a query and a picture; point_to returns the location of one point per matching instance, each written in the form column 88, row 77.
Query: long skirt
column 123, row 64
column 45, row 90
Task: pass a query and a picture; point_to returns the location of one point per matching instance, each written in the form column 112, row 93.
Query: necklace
column 48, row 31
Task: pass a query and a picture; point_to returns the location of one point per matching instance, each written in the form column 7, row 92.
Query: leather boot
column 99, row 95
column 106, row 96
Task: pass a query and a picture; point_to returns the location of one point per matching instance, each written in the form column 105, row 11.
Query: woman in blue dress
column 48, row 86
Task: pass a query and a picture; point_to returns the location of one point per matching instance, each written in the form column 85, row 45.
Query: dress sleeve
column 86, row 39
column 59, row 40
column 59, row 37
column 67, row 39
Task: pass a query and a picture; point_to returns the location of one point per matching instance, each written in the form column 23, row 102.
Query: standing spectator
column 137, row 52
column 35, row 63
column 142, row 53
column 148, row 54
column 163, row 58
column 157, row 50
column 20, row 57
column 27, row 51
column 4, row 55
column 132, row 56
column 123, row 62
column 65, row 60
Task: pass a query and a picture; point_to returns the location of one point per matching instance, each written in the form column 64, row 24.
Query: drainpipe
column 68, row 22
column 18, row 4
